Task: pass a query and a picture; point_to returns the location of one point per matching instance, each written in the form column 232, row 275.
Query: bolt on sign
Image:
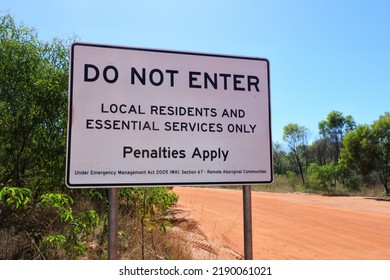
column 147, row 117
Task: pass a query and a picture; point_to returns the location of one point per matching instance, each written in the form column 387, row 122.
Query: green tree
column 280, row 159
column 367, row 149
column 318, row 151
column 356, row 150
column 296, row 138
column 33, row 98
column 334, row 128
column 380, row 138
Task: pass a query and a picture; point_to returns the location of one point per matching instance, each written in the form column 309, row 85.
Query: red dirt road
column 293, row 226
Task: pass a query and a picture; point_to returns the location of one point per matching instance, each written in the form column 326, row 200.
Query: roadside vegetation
column 42, row 219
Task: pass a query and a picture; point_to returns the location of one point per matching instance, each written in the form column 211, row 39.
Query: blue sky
column 324, row 55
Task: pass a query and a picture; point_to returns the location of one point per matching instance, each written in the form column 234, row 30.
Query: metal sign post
column 113, row 223
column 247, row 199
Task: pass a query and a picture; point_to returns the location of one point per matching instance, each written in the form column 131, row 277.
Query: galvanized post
column 247, row 199
column 113, row 223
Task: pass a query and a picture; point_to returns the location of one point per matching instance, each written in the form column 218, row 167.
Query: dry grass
column 18, row 241
column 154, row 245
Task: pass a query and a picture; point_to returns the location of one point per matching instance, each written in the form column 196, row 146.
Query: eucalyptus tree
column 367, row 149
column 296, row 138
column 333, row 130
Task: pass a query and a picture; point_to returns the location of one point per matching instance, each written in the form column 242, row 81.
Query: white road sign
column 145, row 117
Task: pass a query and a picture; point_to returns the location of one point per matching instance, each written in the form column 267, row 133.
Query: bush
column 323, row 178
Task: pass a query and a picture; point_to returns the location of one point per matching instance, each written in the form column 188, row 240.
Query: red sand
column 293, row 226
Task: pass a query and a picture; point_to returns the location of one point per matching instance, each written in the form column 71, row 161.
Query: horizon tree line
column 345, row 153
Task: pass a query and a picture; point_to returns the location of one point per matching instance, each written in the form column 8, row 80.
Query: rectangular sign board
column 146, row 117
